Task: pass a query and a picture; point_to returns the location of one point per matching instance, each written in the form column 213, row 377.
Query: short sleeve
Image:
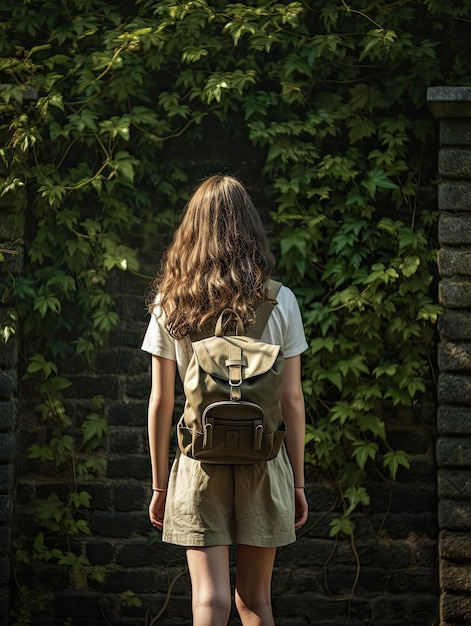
column 157, row 339
column 285, row 325
column 295, row 340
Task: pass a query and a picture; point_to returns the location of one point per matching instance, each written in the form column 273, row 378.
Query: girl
column 220, row 259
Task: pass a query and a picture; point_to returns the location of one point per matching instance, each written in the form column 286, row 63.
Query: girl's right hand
column 157, row 508
column 300, row 508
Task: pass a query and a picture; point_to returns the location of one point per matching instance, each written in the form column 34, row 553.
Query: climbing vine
column 110, row 112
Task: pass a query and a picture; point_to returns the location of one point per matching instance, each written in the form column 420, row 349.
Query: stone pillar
column 10, row 266
column 451, row 106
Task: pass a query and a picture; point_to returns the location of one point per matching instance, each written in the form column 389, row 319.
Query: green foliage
column 109, row 109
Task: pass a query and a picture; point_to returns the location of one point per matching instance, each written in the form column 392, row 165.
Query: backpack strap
column 264, row 309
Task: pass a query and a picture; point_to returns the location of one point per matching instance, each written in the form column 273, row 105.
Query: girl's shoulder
column 286, row 298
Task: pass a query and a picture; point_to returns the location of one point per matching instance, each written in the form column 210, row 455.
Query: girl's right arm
column 160, row 413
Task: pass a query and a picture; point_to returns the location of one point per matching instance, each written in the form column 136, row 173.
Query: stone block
column 4, row 570
column 309, row 607
column 308, row 552
column 7, row 415
column 407, row 526
column 138, row 554
column 422, row 608
column 123, row 360
column 10, row 230
column 413, row 442
column 126, row 440
column 454, row 515
column 4, row 606
column 81, row 604
column 128, row 413
column 449, row 101
column 454, row 357
column 454, row 452
column 391, row 555
column 9, row 355
column 101, row 495
column 120, row 525
column 7, row 447
column 6, row 478
column 454, row 325
column 13, row 256
column 454, row 389
column 130, row 496
column 454, row 484
column 454, row 420
column 100, row 551
column 455, row 609
column 139, row 580
column 8, row 383
column 84, row 386
column 129, row 466
column 454, row 230
column 455, row 132
column 453, row 262
column 454, row 162
column 454, row 196
column 454, row 576
column 399, row 497
column 455, row 294
column 133, row 333
column 137, row 386
column 455, row 546
column 5, row 538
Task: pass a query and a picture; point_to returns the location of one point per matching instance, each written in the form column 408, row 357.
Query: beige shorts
column 211, row 505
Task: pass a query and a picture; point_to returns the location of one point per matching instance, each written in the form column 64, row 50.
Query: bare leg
column 210, row 585
column 253, row 585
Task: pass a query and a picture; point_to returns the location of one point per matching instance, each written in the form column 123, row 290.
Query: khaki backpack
column 232, row 386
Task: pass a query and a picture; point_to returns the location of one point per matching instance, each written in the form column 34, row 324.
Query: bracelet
column 159, row 490
column 299, row 486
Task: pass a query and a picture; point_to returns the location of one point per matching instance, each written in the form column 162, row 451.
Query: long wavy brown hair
column 219, row 258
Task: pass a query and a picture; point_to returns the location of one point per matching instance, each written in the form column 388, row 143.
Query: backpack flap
column 214, row 353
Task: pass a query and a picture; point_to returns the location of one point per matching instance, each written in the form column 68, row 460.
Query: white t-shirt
column 284, row 328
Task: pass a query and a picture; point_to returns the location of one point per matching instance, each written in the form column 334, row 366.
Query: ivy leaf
column 38, row 543
column 46, row 303
column 95, row 427
column 342, row 411
column 356, row 496
column 341, row 525
column 37, row 363
column 124, row 164
column 363, row 451
column 43, row 453
column 393, row 459
column 81, row 498
column 360, row 128
column 409, row 266
column 372, row 423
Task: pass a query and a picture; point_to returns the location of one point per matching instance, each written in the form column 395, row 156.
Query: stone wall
column 387, row 576
column 452, row 108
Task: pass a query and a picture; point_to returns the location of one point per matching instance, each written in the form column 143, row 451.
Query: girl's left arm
column 160, row 413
